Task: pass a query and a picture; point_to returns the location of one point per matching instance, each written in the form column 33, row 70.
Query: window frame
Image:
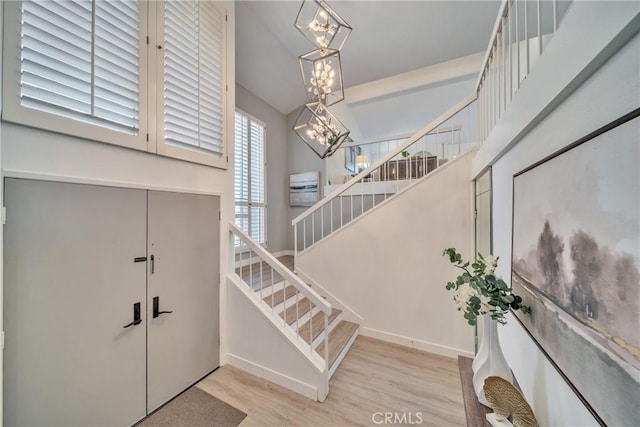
column 253, row 119
column 149, row 137
column 14, row 112
column 156, row 42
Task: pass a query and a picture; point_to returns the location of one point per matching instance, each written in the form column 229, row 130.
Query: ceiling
column 388, row 38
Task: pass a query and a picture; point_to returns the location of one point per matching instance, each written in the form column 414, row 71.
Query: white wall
column 300, row 158
column 388, row 268
column 277, row 168
column 257, row 347
column 28, row 152
column 610, row 92
column 408, row 111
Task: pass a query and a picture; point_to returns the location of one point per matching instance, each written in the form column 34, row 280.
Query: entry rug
column 195, row 408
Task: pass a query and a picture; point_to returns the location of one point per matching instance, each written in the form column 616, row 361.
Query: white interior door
column 184, row 240
column 70, row 285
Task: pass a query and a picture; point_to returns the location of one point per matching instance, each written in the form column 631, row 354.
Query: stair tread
column 303, row 307
column 318, row 325
column 338, row 339
column 280, row 295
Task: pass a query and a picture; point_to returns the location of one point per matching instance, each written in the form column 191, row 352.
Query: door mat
column 195, row 408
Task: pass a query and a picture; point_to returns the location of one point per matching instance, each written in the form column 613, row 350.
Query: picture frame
column 304, row 188
column 350, row 158
column 576, row 263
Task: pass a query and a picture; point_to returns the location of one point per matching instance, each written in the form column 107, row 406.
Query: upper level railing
column 354, row 157
column 290, row 302
column 420, row 154
column 521, row 33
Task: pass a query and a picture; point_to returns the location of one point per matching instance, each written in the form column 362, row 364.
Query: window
column 249, row 178
column 91, row 68
column 193, row 80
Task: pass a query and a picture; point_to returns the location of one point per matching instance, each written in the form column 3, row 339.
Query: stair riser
column 304, row 319
column 320, row 338
column 268, row 290
column 343, row 353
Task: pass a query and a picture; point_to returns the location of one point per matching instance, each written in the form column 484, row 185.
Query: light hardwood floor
column 375, row 377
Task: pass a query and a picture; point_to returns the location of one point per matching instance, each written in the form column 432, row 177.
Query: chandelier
column 322, row 76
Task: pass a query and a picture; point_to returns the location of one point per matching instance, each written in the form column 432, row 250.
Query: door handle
column 136, row 316
column 156, row 308
column 153, row 264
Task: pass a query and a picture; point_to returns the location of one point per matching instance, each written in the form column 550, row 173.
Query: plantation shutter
column 249, row 178
column 193, row 75
column 81, row 59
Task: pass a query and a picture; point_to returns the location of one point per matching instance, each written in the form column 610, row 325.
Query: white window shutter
column 80, row 60
column 193, row 81
column 249, row 177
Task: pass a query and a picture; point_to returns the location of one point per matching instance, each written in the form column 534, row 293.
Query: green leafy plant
column 479, row 292
column 405, row 154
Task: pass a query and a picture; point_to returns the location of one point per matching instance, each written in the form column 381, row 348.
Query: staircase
column 298, row 313
column 314, row 329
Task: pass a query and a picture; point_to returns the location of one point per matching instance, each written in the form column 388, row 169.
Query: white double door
column 83, row 266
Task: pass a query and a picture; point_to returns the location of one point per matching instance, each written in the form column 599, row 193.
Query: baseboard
column 415, row 343
column 347, row 313
column 292, row 384
column 283, row 253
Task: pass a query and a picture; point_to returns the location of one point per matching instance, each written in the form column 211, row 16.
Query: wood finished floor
column 374, row 377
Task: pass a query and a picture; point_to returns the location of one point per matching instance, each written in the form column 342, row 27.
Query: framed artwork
column 576, row 260
column 303, row 188
column 350, row 158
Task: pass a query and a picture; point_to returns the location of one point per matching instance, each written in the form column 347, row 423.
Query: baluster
column 297, row 312
column 526, row 34
column 331, row 203
column 261, row 278
column 322, row 222
column 326, row 340
column 311, row 332
column 273, row 291
column 539, row 10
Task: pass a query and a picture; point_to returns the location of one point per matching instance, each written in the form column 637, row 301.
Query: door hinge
column 4, row 215
column 226, row 17
column 475, row 214
column 147, row 39
column 147, row 137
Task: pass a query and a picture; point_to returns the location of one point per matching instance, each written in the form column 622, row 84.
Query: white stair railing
column 520, row 35
column 420, row 154
column 265, row 277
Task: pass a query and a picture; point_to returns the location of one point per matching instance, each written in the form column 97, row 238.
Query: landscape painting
column 303, row 188
column 576, row 259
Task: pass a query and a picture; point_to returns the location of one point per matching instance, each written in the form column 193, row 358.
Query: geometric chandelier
column 322, row 76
